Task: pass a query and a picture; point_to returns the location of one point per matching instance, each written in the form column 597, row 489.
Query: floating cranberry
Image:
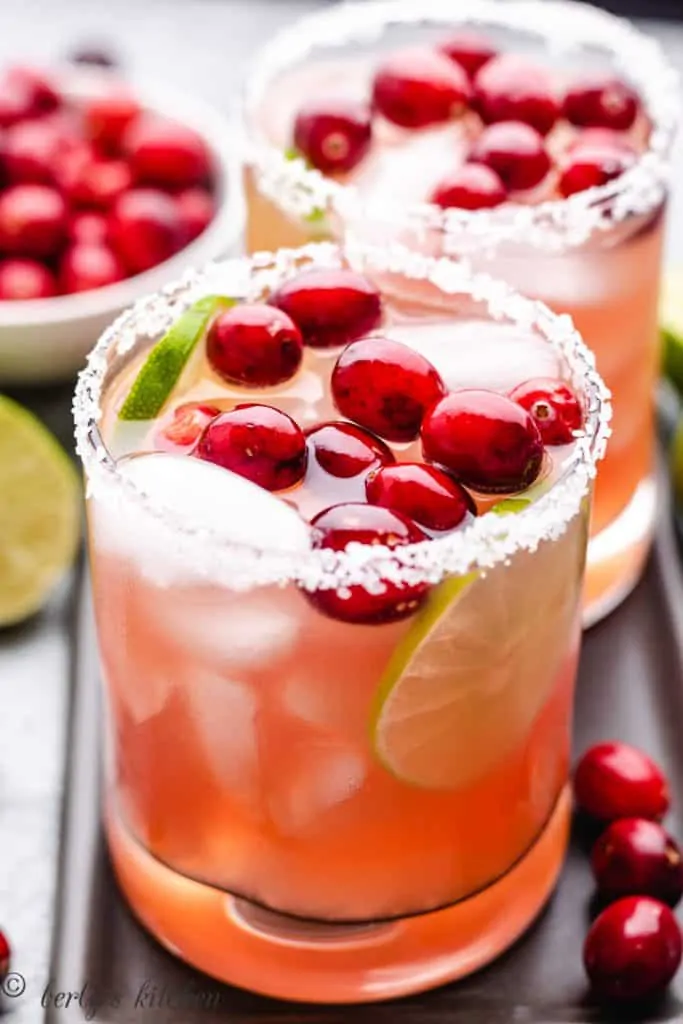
column 385, row 386
column 470, row 50
column 601, row 137
column 632, row 950
column 37, row 86
column 637, row 857
column 196, row 209
column 330, row 307
column 29, row 152
column 5, row 955
column 145, row 228
column 88, row 265
column 470, row 187
column 423, row 493
column 32, row 220
column 615, row 780
column 25, row 279
column 166, row 153
column 510, row 88
column 515, row 151
column 88, row 226
column 181, row 429
column 107, row 118
column 345, row 450
column 254, row 344
column 485, row 439
column 258, row 442
column 97, row 183
column 333, row 136
column 597, row 101
column 590, row 166
column 554, row 407
column 337, row 527
column 419, row 87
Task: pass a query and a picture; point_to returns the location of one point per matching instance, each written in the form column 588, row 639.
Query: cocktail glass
column 304, row 806
column 595, row 255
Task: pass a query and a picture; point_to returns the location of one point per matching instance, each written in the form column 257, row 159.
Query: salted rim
column 564, row 25
column 489, row 539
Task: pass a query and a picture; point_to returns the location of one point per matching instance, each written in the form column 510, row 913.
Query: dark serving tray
column 631, row 687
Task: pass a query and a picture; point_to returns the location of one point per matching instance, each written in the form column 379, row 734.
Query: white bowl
column 46, row 340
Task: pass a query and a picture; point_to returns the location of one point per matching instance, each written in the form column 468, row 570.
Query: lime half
column 39, row 512
column 671, row 324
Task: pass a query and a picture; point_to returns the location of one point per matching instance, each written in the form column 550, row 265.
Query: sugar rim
column 563, row 25
column 488, row 540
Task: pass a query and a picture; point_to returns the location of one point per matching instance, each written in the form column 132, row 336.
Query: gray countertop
column 204, row 45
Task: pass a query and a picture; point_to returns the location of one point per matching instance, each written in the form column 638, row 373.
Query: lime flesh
column 671, row 324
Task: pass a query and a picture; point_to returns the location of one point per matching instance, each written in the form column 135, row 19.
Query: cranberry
column 5, row 955
column 345, row 450
column 25, row 279
column 88, row 226
column 107, row 118
column 554, row 407
column 254, row 344
column 40, row 90
column 471, row 51
column 330, row 307
column 601, row 137
column 509, row 88
column 515, row 151
column 145, row 228
column 632, row 950
column 590, row 166
column 470, row 187
column 99, row 183
column 86, row 266
column 597, row 101
column 29, row 152
column 166, row 153
column 615, row 780
column 196, row 208
column 385, row 386
column 258, row 442
column 426, row 494
column 333, row 136
column 416, row 88
column 182, row 428
column 337, row 527
column 637, row 857
column 32, row 220
column 485, row 439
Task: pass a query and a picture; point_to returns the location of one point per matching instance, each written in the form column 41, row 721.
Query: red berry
column 15, row 105
column 166, row 153
column 40, row 90
column 592, row 165
column 337, row 527
column 107, row 118
column 196, row 208
column 554, row 407
column 89, row 265
column 597, row 101
column 144, row 228
column 25, row 279
column 615, row 780
column 254, row 344
column 419, row 87
column 345, row 450
column 486, row 440
column 386, row 387
column 333, row 136
column 601, row 137
column 637, row 857
column 330, row 307
column 88, row 226
column 30, row 150
column 32, row 220
column 258, row 442
column 470, row 187
column 632, row 950
column 181, row 429
column 471, row 51
column 509, row 88
column 97, row 183
column 515, row 151
column 423, row 493
column 5, row 955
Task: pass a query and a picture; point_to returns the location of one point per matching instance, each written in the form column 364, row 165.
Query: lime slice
column 161, row 369
column 676, row 464
column 39, row 512
column 671, row 324
column 508, row 506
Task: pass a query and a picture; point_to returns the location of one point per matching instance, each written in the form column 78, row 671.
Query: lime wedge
column 676, row 464
column 508, row 506
column 671, row 325
column 39, row 512
column 160, row 371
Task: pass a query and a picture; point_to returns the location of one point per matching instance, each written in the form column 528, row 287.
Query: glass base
column 243, row 944
column 617, row 555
